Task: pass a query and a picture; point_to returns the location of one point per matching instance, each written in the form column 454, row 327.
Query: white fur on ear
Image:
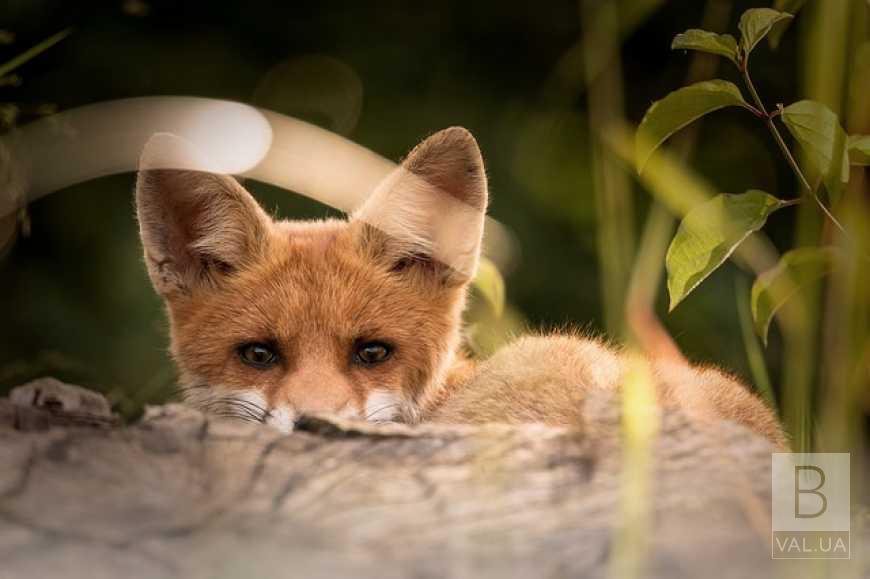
column 195, row 225
column 434, row 204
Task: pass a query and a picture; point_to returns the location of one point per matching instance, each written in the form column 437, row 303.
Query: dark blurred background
column 74, row 299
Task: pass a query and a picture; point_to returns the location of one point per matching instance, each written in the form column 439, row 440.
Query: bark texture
column 182, row 495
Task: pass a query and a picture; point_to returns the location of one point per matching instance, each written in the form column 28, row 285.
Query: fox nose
column 317, row 388
column 287, row 420
column 305, row 422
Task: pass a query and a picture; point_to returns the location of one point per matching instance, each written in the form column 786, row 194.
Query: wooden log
column 179, row 494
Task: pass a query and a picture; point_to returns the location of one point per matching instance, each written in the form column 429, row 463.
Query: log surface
column 182, row 495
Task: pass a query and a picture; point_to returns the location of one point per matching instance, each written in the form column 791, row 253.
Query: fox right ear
column 432, row 207
column 196, row 227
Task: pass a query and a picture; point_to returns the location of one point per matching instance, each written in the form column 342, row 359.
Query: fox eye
column 371, row 353
column 257, row 355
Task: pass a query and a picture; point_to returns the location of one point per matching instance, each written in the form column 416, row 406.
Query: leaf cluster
column 713, row 230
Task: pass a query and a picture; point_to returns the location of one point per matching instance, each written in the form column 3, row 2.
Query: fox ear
column 196, row 226
column 431, row 209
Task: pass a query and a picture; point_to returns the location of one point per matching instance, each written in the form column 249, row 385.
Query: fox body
column 361, row 317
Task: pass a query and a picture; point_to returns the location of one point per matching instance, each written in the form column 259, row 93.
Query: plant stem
column 33, row 52
column 768, row 120
column 831, row 217
column 755, row 111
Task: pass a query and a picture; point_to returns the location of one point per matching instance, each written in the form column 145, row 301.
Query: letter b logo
column 801, row 477
column 811, row 506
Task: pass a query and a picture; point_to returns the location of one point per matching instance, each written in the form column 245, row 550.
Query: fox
column 361, row 317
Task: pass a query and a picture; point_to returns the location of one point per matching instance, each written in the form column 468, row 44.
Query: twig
column 768, row 120
column 33, row 52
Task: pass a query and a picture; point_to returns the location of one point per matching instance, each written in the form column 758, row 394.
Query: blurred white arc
column 237, row 139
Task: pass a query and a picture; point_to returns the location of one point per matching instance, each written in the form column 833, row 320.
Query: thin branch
column 831, row 217
column 768, row 120
column 755, row 111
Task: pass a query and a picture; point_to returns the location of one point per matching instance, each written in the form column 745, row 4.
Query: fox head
column 359, row 317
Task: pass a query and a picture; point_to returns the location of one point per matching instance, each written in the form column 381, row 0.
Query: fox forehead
column 310, row 236
column 313, row 283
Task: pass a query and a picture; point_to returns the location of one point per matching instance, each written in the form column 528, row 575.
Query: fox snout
column 313, row 389
column 293, row 402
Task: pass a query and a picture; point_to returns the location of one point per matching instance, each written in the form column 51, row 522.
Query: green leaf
column 776, row 33
column 795, row 270
column 818, row 131
column 670, row 114
column 754, row 25
column 859, row 150
column 705, row 41
column 710, row 233
column 490, row 284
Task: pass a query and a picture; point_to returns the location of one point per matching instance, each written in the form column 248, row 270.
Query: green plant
column 712, row 230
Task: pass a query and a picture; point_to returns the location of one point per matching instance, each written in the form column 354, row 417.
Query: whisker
column 247, row 404
column 231, row 406
column 193, row 393
column 241, row 417
column 380, row 409
column 235, row 412
column 254, row 410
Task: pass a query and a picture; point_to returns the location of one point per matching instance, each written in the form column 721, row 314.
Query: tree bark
column 179, row 494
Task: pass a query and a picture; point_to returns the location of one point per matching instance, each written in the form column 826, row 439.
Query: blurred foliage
column 75, row 301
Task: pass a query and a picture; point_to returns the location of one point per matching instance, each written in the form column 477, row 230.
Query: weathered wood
column 182, row 495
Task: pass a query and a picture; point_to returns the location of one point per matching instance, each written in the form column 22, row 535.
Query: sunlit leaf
column 818, row 131
column 859, row 150
column 776, row 33
column 709, row 234
column 678, row 109
column 490, row 284
column 774, row 288
column 705, row 41
column 755, row 23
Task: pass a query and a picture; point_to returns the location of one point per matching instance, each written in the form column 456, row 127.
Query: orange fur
column 397, row 273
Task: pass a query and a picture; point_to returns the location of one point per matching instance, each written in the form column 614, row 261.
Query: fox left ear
column 431, row 208
column 196, row 226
